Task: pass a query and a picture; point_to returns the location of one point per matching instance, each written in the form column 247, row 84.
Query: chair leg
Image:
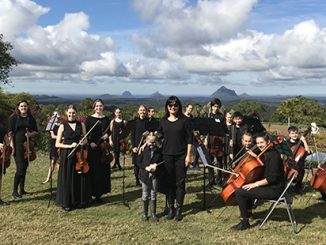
column 270, row 210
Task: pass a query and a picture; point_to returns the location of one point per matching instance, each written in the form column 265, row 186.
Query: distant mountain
column 157, row 95
column 44, row 96
column 106, row 96
column 126, row 94
column 225, row 93
column 244, row 95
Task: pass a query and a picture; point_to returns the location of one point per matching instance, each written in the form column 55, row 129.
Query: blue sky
column 171, row 46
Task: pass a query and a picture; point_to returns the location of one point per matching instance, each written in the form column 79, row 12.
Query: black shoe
column 67, row 209
column 243, row 225
column 16, row 195
column 153, row 211
column 114, row 166
column 98, row 200
column 170, row 213
column 138, row 183
column 178, row 214
column 3, row 203
column 25, row 193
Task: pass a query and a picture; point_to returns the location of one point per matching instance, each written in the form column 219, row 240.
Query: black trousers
column 245, row 198
column 21, row 167
column 136, row 168
column 175, row 170
column 211, row 174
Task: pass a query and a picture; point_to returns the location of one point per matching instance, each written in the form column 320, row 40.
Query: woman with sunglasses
column 177, row 149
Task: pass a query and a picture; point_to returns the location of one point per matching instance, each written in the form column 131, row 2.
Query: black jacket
column 145, row 159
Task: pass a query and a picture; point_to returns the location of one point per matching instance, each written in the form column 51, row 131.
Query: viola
column 248, row 170
column 82, row 165
column 318, row 179
column 29, row 151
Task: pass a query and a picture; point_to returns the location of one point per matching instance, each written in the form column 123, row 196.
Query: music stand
column 206, row 126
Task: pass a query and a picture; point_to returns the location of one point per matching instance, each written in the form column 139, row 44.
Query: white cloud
column 17, row 16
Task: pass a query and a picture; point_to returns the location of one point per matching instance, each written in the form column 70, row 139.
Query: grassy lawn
column 30, row 221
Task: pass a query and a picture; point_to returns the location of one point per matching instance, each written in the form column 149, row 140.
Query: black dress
column 99, row 171
column 54, row 150
column 74, row 189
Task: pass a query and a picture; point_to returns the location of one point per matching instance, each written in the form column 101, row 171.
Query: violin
column 82, row 166
column 123, row 146
column 318, row 179
column 106, row 155
column 248, row 170
column 29, row 151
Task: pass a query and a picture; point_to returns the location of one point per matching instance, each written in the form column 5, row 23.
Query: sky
column 181, row 47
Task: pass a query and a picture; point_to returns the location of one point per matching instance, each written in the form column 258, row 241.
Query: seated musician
column 270, row 186
column 246, row 141
column 295, row 140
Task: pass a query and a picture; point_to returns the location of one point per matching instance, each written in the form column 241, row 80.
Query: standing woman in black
column 21, row 125
column 270, row 186
column 98, row 151
column 116, row 126
column 177, row 149
column 54, row 155
column 70, row 193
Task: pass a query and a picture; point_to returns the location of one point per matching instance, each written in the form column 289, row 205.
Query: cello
column 248, row 170
column 318, row 179
column 291, row 165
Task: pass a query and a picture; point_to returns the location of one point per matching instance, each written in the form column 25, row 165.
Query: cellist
column 21, row 126
column 270, row 186
column 296, row 141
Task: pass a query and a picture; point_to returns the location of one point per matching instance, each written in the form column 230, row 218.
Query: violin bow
column 82, row 139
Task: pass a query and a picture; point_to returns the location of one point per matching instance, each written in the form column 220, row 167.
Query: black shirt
column 138, row 130
column 274, row 168
column 177, row 135
column 18, row 126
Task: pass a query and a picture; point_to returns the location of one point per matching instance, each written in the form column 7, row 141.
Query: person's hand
column 1, row 146
column 73, row 145
column 93, row 145
column 251, row 153
column 187, row 161
column 250, row 186
column 134, row 150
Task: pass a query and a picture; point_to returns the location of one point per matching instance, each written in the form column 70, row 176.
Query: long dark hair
column 17, row 112
column 170, row 100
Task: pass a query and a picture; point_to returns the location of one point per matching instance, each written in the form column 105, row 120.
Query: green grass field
column 30, row 221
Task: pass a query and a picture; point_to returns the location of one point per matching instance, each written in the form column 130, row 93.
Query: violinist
column 188, row 113
column 177, row 148
column 54, row 156
column 116, row 126
column 270, row 186
column 147, row 161
column 98, row 151
column 141, row 125
column 213, row 143
column 69, row 187
column 21, row 126
column 296, row 141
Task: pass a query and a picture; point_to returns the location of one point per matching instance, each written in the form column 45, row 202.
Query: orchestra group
column 162, row 151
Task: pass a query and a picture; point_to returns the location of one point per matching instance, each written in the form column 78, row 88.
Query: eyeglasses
column 173, row 105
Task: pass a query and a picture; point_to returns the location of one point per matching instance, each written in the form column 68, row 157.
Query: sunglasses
column 173, row 105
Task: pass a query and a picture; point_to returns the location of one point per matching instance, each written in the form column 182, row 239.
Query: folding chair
column 286, row 200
